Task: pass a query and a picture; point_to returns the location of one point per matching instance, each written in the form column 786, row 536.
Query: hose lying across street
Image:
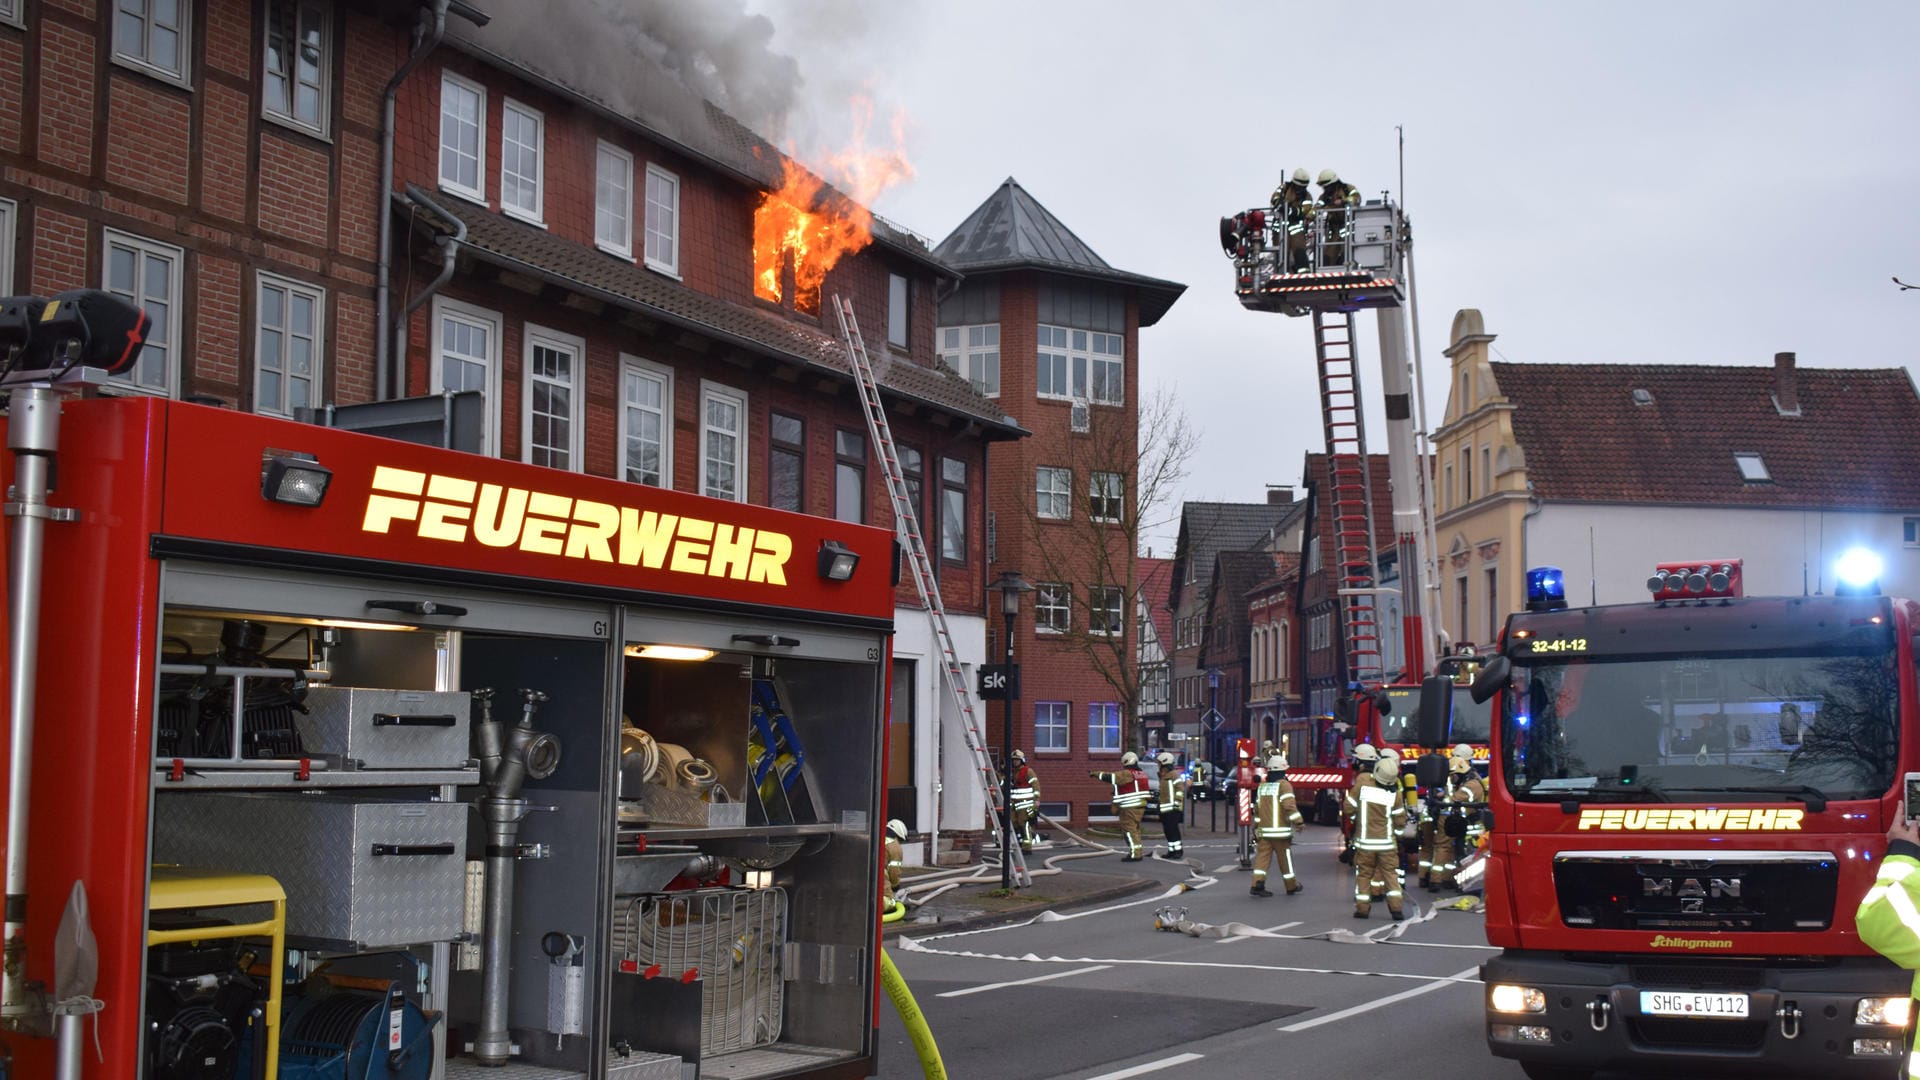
column 923, row 1045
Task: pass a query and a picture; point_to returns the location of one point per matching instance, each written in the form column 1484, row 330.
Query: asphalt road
column 1102, row 995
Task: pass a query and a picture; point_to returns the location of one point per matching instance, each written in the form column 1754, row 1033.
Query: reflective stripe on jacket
column 1889, row 915
column 1130, row 787
column 1173, row 789
column 1380, row 818
column 1026, row 787
column 1274, row 811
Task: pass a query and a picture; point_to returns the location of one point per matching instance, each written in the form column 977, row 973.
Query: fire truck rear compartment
column 763, row 777
column 1800, row 1014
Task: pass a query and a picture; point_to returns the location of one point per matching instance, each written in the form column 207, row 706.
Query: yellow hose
column 896, row 987
column 894, row 913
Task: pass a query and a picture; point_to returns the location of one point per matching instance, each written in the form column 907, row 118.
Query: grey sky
column 1672, row 183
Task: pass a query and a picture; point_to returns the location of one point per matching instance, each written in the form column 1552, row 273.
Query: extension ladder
column 907, row 526
column 1349, row 503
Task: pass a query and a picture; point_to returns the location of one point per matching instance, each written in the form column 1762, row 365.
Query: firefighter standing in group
column 896, row 832
column 1365, row 757
column 1131, row 790
column 1459, row 831
column 1025, row 799
column 1275, row 816
column 1172, row 793
column 1378, row 817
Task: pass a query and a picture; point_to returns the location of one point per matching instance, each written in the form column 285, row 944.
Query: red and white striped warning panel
column 1298, row 778
column 1302, row 283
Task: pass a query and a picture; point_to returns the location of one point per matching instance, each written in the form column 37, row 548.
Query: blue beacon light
column 1546, row 589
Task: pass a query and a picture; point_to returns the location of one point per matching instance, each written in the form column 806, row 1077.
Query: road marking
column 1149, row 1067
column 916, row 945
column 1379, row 1002
column 1269, row 930
column 1022, row 982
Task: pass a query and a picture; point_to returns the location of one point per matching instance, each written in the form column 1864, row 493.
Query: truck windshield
column 1471, row 723
column 1726, row 728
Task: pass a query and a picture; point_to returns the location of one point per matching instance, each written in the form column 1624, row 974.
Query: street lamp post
column 1213, row 712
column 1010, row 585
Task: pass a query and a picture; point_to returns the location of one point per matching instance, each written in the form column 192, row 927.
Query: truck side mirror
column 1436, row 710
column 1491, row 680
column 1430, row 770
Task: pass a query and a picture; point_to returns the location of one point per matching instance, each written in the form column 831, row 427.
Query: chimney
column 1279, row 494
column 1786, row 385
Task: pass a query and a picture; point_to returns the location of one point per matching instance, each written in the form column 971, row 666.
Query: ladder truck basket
column 730, row 941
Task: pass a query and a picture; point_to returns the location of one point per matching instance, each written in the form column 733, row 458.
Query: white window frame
column 667, row 263
column 1083, row 363
column 1752, row 466
column 1097, row 595
column 139, row 61
column 1064, row 727
column 143, row 250
column 9, row 224
column 264, row 281
column 970, row 361
column 444, row 309
column 531, row 337
column 710, row 390
column 899, row 311
column 536, row 215
column 452, row 185
column 323, row 89
column 1103, row 709
column 1046, row 348
column 605, row 151
column 634, row 365
column 1098, row 359
column 10, row 13
column 1053, row 485
column 1061, row 596
column 1117, row 481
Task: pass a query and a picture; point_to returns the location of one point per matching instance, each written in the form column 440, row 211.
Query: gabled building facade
column 1605, row 470
column 1051, row 333
column 1154, row 624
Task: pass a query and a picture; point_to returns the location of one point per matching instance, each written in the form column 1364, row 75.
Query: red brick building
column 1044, row 326
column 219, row 161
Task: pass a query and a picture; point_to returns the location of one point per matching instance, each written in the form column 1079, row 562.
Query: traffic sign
column 1213, row 719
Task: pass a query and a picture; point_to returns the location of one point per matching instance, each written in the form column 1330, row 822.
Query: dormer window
column 1752, row 469
column 1642, row 396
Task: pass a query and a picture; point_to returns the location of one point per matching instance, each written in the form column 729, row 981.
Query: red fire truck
column 375, row 758
column 1689, row 798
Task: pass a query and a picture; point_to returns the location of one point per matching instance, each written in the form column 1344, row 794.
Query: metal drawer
column 387, row 729
column 358, row 873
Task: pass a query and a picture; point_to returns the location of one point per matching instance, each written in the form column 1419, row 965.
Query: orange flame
column 819, row 236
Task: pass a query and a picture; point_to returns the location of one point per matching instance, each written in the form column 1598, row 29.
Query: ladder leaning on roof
column 907, row 526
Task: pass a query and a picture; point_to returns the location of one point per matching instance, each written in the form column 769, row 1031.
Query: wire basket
column 733, row 939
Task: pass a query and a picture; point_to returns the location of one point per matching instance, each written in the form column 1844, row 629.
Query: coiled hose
column 923, row 1045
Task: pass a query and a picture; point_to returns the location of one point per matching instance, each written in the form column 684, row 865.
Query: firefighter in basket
column 896, row 832
column 1172, row 796
column 1460, row 829
column 1131, row 790
column 1378, row 821
column 1337, row 197
column 1275, row 817
column 1294, row 204
column 1025, row 799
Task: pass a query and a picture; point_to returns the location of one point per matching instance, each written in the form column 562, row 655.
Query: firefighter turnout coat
column 1889, row 918
column 1171, row 797
column 1026, row 803
column 1378, row 817
column 1275, row 817
column 1131, row 790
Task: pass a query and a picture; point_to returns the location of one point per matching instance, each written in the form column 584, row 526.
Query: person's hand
column 1904, row 828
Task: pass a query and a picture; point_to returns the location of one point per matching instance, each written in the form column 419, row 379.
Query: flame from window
column 820, row 232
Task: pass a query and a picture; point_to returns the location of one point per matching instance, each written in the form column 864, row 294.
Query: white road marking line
column 1380, row 1002
column 915, row 945
column 1269, row 930
column 1149, row 1067
column 1022, row 982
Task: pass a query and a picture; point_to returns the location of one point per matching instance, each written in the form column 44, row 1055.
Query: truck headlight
column 1890, row 1011
column 1507, row 998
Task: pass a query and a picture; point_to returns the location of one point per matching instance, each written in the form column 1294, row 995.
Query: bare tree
column 1121, row 483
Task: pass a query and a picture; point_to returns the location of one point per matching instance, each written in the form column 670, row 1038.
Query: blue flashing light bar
column 1546, row 589
column 1859, row 572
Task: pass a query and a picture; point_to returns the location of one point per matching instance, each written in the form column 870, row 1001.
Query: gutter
column 449, row 244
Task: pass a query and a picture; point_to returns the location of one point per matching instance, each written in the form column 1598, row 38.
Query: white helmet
column 1328, row 176
column 1463, row 752
column 1366, row 752
column 1165, row 758
column 1277, row 763
column 898, row 828
column 1019, row 755
column 1300, row 176
column 1460, row 765
column 1388, row 753
column 1387, row 772
column 1129, row 758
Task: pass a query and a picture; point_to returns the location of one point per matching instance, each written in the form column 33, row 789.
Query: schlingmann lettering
column 1699, row 820
column 1662, row 941
column 461, row 511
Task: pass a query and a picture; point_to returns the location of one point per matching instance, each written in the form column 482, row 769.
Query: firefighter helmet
column 1165, row 758
column 1366, row 752
column 1277, row 763
column 1129, row 758
column 1300, row 176
column 1462, row 752
column 1387, row 772
column 1020, row 756
column 1328, row 176
column 1388, row 753
column 1460, row 765
column 898, row 828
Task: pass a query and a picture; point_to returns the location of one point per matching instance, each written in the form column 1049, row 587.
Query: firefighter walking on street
column 1458, row 832
column 1275, row 817
column 1378, row 818
column 1025, row 799
column 1172, row 794
column 1131, row 790
column 1365, row 758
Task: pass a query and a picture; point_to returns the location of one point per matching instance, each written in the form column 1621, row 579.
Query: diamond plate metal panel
column 321, row 850
column 387, row 729
column 469, row 1069
column 644, row 1066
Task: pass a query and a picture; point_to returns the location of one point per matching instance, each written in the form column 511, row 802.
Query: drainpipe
column 426, row 37
column 449, row 245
